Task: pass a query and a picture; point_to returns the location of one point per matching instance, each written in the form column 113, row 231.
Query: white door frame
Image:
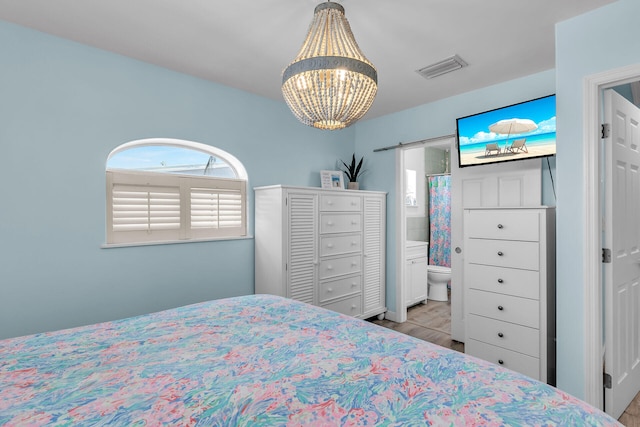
column 400, row 313
column 593, row 86
column 448, row 141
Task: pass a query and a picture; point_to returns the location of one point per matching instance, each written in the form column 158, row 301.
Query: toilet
column 437, row 280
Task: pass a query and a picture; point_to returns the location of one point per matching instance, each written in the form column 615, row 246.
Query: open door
column 622, row 238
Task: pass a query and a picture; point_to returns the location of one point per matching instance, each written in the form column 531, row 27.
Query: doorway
column 413, row 163
column 595, row 283
column 505, row 184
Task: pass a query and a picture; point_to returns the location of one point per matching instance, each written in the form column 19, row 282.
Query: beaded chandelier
column 330, row 84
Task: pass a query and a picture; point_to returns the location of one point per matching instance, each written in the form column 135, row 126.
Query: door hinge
column 606, row 380
column 606, row 255
column 605, row 130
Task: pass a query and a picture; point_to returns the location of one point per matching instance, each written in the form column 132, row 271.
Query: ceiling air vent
column 439, row 68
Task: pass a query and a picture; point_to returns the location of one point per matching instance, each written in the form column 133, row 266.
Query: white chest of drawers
column 323, row 247
column 509, row 285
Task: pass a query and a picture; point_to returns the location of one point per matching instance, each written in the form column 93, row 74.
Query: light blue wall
column 63, row 108
column 433, row 120
column 598, row 41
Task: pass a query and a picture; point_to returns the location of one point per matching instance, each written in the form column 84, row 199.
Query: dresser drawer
column 504, row 334
column 506, row 308
column 504, row 253
column 339, row 288
column 350, row 306
column 340, row 266
column 503, row 224
column 511, row 281
column 515, row 361
column 336, row 245
column 340, row 202
column 339, row 222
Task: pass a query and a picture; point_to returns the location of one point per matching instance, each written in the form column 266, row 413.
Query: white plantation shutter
column 145, row 208
column 219, row 210
column 152, row 207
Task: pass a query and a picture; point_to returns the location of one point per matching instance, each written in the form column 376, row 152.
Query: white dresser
column 509, row 285
column 416, row 261
column 322, row 247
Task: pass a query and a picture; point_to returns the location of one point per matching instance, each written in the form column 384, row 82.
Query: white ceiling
column 247, row 43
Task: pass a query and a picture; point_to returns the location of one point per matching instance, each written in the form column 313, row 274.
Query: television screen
column 516, row 132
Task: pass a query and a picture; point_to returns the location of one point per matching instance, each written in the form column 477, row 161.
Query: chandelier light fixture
column 330, row 84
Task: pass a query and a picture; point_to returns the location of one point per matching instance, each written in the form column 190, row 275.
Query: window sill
column 171, row 242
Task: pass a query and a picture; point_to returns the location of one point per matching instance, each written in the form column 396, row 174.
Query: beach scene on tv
column 519, row 131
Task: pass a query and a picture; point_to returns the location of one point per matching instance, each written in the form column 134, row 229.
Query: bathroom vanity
column 415, row 273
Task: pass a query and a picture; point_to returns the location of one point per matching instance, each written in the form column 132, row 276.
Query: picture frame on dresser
column 332, row 180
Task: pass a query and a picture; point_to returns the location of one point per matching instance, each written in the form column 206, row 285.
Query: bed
column 263, row 360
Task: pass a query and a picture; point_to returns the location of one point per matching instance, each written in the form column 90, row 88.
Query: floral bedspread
column 263, row 360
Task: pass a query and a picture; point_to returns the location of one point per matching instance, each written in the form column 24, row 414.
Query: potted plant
column 352, row 171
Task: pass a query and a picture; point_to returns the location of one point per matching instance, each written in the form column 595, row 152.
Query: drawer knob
column 500, row 253
column 354, row 222
column 330, row 245
column 353, row 264
column 501, row 362
column 500, row 226
column 353, row 306
column 500, row 334
column 353, row 243
column 331, row 268
column 500, row 308
column 329, row 202
column 329, row 290
column 329, row 222
column 354, row 284
column 500, row 281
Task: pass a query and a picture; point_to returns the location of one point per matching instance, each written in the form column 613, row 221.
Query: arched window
column 163, row 190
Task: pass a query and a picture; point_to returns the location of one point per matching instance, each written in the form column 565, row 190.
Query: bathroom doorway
column 425, row 183
column 491, row 186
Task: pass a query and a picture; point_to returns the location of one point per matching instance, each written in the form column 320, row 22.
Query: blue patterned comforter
column 263, row 360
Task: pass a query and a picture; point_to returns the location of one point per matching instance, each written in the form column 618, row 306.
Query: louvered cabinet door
column 303, row 246
column 374, row 243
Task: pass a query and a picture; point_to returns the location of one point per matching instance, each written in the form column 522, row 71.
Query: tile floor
column 432, row 322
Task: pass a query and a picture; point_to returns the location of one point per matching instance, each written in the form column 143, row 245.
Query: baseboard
column 391, row 315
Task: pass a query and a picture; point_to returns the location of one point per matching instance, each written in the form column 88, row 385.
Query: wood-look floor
column 631, row 415
column 432, row 322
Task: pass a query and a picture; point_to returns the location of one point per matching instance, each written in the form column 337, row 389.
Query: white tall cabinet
column 322, row 247
column 509, row 285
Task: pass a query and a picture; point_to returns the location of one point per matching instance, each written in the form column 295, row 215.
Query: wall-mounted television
column 516, row 132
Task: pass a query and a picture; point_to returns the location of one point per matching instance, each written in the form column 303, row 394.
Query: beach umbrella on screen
column 513, row 127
